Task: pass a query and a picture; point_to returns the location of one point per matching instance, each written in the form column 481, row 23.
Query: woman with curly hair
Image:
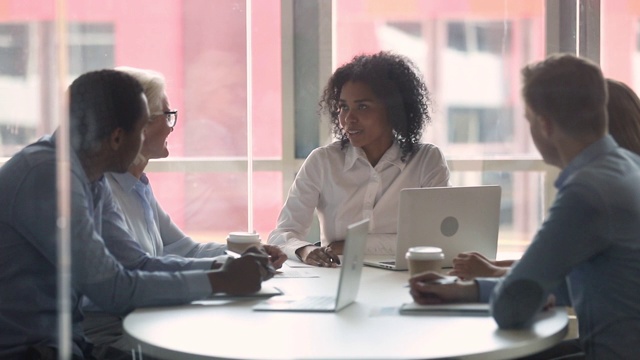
column 378, row 105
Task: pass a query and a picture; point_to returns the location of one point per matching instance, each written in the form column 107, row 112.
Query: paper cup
column 424, row 258
column 239, row 241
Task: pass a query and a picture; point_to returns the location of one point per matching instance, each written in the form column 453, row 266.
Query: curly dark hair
column 397, row 82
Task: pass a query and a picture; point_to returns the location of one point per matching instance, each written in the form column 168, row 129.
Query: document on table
column 296, row 264
column 222, row 298
column 458, row 309
column 294, row 273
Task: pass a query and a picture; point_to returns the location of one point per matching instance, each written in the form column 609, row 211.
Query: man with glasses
column 107, row 116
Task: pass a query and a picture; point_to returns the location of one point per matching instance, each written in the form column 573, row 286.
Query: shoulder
column 30, row 175
column 610, row 168
column 34, row 160
column 331, row 152
column 427, row 151
column 427, row 148
column 619, row 169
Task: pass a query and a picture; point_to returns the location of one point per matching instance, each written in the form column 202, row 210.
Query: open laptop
column 348, row 285
column 456, row 219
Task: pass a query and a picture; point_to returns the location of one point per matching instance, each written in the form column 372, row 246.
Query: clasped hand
column 243, row 275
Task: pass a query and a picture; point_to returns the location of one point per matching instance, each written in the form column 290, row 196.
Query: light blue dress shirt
column 28, row 276
column 150, row 225
column 590, row 245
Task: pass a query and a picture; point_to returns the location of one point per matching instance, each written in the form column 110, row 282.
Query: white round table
column 371, row 328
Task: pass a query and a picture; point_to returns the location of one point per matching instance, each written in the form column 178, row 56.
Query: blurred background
column 246, row 77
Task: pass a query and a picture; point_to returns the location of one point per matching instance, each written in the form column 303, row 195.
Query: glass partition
column 201, row 48
column 469, row 51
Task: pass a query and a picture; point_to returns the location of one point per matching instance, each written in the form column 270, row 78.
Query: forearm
column 176, row 242
column 288, row 244
column 504, row 263
column 121, row 291
column 188, row 248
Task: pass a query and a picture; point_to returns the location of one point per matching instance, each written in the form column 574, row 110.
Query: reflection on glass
column 470, row 53
column 200, row 46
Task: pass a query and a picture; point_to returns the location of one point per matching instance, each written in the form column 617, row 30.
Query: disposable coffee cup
column 424, row 258
column 239, row 241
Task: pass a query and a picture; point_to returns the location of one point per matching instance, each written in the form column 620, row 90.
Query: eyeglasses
column 171, row 116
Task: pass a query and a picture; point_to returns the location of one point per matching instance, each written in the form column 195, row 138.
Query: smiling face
column 363, row 117
column 155, row 143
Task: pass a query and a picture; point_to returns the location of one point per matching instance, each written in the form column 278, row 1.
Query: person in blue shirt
column 149, row 225
column 108, row 113
column 586, row 252
column 623, row 109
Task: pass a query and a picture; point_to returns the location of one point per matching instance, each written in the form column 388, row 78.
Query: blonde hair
column 153, row 85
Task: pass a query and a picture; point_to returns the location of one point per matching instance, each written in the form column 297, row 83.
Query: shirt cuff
column 198, row 284
column 203, row 264
column 292, row 245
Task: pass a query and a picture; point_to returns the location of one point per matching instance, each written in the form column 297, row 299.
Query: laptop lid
column 348, row 283
column 456, row 219
column 351, row 267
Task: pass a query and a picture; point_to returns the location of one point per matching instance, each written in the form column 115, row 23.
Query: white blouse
column 344, row 188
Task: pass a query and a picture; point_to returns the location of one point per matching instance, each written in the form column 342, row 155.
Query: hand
column 276, row 256
column 318, row 256
column 337, row 247
column 427, row 288
column 259, row 254
column 239, row 276
column 470, row 265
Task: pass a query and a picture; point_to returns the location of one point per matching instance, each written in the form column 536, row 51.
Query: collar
column 392, row 156
column 590, row 153
column 126, row 180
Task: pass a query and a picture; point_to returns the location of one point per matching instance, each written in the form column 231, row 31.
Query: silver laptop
column 456, row 219
column 348, row 285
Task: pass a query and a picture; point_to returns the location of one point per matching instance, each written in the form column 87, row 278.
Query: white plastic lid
column 243, row 237
column 425, row 253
